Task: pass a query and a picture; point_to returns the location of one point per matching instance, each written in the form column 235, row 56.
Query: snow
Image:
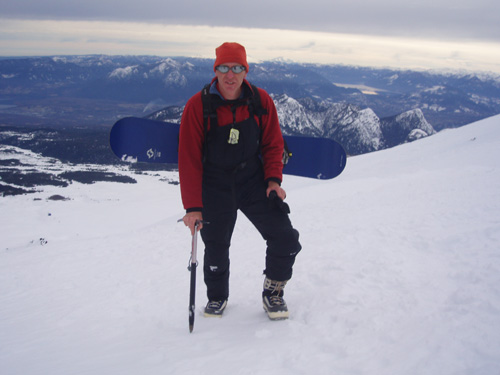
column 124, row 72
column 399, row 274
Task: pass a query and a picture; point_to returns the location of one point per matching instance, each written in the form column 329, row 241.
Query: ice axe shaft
column 192, row 268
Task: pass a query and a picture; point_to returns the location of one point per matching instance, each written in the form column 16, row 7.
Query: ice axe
column 193, row 263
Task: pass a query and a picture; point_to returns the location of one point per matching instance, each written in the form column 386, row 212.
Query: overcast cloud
column 409, row 24
column 453, row 19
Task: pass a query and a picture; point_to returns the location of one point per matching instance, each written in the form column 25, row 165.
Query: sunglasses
column 235, row 69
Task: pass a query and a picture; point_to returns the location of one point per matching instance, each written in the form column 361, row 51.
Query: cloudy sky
column 419, row 34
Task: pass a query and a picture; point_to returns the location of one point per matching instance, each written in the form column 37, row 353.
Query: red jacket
column 191, row 141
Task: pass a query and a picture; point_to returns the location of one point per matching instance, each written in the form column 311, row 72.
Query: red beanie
column 231, row 53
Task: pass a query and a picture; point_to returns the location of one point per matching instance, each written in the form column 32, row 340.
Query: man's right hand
column 191, row 218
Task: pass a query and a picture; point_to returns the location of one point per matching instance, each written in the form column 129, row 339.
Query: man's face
column 230, row 83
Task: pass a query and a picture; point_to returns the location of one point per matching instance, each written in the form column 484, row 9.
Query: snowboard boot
column 215, row 309
column 272, row 299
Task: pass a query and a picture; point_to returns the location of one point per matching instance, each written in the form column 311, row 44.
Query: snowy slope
column 400, row 274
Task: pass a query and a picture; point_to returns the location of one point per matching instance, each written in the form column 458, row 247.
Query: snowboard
column 135, row 139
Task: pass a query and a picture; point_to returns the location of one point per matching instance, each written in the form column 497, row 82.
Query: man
column 230, row 159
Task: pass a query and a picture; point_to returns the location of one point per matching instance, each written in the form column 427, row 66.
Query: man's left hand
column 274, row 186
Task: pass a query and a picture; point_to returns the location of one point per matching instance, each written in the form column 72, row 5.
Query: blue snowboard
column 135, row 139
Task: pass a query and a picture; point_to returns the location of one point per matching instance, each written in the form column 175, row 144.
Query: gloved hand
column 278, row 202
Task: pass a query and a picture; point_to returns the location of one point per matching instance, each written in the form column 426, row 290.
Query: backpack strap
column 208, row 112
column 255, row 104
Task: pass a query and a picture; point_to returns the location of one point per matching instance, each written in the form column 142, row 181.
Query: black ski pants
column 224, row 193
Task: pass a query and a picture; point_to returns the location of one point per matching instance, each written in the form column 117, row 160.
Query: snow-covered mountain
column 399, row 272
column 358, row 130
column 405, row 127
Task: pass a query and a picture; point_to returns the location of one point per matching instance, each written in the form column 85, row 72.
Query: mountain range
column 366, row 109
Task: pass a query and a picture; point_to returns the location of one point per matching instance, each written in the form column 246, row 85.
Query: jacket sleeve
column 272, row 140
column 191, row 139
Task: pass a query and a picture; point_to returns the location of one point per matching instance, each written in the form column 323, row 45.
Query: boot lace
column 276, row 300
column 275, row 287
